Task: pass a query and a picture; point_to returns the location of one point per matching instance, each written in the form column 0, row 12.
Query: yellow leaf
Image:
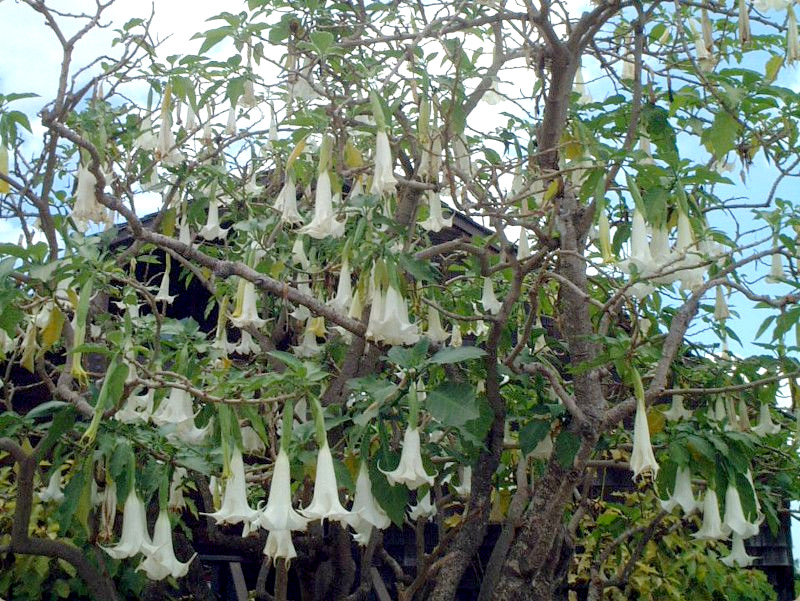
column 453, row 521
column 552, row 190
column 52, row 331
column 352, row 156
column 4, row 187
column 655, row 421
column 298, row 150
column 168, row 224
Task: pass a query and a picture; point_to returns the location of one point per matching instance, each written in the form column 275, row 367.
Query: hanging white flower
column 53, row 491
column 212, row 230
column 410, row 471
column 744, row 22
column 235, row 508
column 163, row 294
column 523, row 246
column 248, row 314
column 776, row 273
column 424, row 509
column 323, row 224
column 174, row 409
column 248, row 99
column 738, row 555
column 308, row 346
column 383, row 180
column 640, row 256
column 162, row 562
column 325, row 503
column 721, row 311
column 579, row 86
column 251, row 441
column 734, row 515
column 86, row 207
column 765, row 424
column 176, row 501
column 682, row 493
column 435, row 221
column 464, row 488
column 455, row 335
column 366, row 511
column 279, row 545
column 642, row 458
column 246, row 345
column 137, row 408
column 191, row 118
column 278, row 515
column 146, row 140
column 299, row 256
column 134, row 538
column 488, row 298
column 166, row 149
column 344, row 289
column 677, row 411
column 230, row 125
column 792, row 44
column 299, row 86
column 712, row 528
column 395, row 328
column 435, row 332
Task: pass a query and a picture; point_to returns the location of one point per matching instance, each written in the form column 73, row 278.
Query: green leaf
column 532, row 433
column 72, row 495
column 456, row 354
column 62, row 422
column 566, row 447
column 453, row 404
column 290, row 360
column 393, row 499
column 213, row 37
column 421, row 270
column 322, row 41
column 409, row 357
column 720, row 137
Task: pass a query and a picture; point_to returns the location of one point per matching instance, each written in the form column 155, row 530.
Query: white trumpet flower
column 53, row 491
column 325, row 503
column 308, row 346
column 323, row 224
column 212, row 230
column 765, row 424
column 383, row 180
column 163, row 290
column 248, row 315
column 279, row 545
column 279, row 515
column 246, row 345
column 738, row 555
column 162, row 563
column 423, row 509
column 488, row 298
column 174, row 409
column 734, row 515
column 776, row 273
column 435, row 332
column 579, row 86
column 166, row 149
column 792, row 43
column 435, row 221
column 642, row 458
column 235, row 508
column 344, row 289
column 455, row 335
column 137, row 408
column 523, row 246
column 366, row 511
column 682, row 494
column 464, row 489
column 86, row 207
column 721, row 311
column 388, row 320
column 134, row 538
column 176, row 500
column 146, row 140
column 677, row 411
column 410, row 471
column 712, row 528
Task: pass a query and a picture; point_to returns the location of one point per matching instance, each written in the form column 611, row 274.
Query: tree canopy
column 461, row 271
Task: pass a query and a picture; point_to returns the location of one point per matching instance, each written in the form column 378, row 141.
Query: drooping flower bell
column 53, row 490
column 174, row 409
column 642, row 458
column 456, row 339
column 212, row 230
column 176, row 502
column 278, row 513
column 366, row 511
column 765, row 425
column 776, row 273
column 435, row 332
column 344, row 289
column 86, row 207
column 435, row 221
column 134, row 538
column 792, row 44
column 246, row 311
column 146, row 140
column 324, row 224
column 279, row 545
column 308, row 346
column 383, row 180
column 235, row 507
column 163, row 294
column 137, row 408
column 677, row 411
column 721, row 311
column 166, row 149
column 410, row 471
column 682, row 493
column 488, row 298
column 424, row 509
column 286, row 202
column 523, row 246
column 744, row 23
column 734, row 514
column 162, row 562
column 640, row 258
column 712, row 528
column 464, row 488
column 738, row 555
column 579, row 86
column 325, row 503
